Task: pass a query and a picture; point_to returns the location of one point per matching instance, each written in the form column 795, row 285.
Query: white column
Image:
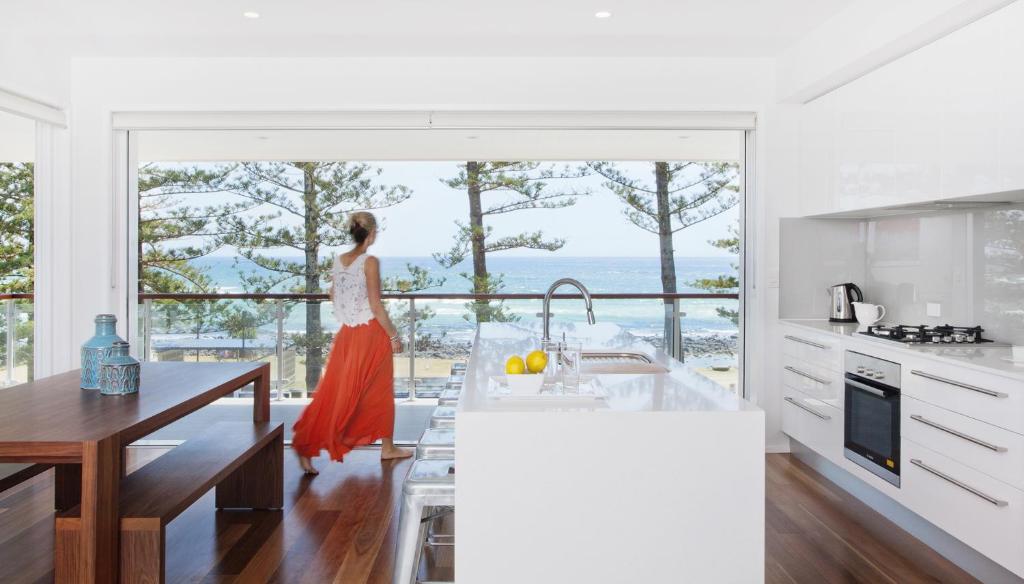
column 54, row 285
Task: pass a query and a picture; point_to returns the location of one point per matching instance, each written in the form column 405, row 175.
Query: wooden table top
column 54, row 410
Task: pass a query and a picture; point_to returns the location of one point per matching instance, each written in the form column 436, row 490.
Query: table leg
column 261, row 395
column 101, row 478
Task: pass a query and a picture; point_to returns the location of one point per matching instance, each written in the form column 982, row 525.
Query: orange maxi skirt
column 354, row 403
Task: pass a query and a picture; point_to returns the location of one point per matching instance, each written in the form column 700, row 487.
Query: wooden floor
column 340, row 527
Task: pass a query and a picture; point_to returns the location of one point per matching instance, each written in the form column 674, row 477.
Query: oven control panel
column 873, row 368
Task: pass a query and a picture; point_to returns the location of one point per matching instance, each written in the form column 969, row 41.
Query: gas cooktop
column 928, row 335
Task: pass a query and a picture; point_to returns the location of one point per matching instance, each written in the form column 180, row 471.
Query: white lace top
column 351, row 300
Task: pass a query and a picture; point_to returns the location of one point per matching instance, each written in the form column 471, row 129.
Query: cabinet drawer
column 982, row 512
column 981, row 446
column 812, row 349
column 816, row 382
column 988, row 398
column 812, row 422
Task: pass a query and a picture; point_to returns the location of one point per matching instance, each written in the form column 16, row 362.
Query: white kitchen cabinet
column 816, row 382
column 942, row 121
column 986, row 448
column 816, row 349
column 981, row 511
column 817, row 156
column 813, row 423
column 992, row 399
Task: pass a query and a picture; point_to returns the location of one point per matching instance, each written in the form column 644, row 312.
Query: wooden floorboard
column 341, row 527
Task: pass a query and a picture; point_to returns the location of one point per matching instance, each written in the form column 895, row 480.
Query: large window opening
column 235, row 232
column 17, row 225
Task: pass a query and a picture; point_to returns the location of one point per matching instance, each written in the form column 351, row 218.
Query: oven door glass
column 872, row 422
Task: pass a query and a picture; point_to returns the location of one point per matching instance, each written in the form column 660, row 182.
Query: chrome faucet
column 547, row 304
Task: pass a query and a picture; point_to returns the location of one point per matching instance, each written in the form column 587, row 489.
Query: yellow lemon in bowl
column 536, row 361
column 515, row 365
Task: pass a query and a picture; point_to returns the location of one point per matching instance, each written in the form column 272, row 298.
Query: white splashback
column 970, row 263
column 814, row 255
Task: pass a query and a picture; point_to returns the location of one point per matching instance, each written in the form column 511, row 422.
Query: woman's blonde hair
column 360, row 225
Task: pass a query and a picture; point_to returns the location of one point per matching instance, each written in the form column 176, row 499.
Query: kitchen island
column 662, row 480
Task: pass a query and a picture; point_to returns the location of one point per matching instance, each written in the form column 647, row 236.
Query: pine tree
column 16, row 226
column 173, row 233
column 683, row 195
column 724, row 282
column 495, row 188
column 17, row 213
column 303, row 207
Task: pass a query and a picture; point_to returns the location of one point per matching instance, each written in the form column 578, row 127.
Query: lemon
column 515, row 365
column 536, row 361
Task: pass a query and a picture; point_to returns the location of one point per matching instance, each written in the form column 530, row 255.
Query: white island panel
column 662, row 482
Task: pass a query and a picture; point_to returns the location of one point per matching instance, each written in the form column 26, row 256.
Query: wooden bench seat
column 15, row 474
column 243, row 460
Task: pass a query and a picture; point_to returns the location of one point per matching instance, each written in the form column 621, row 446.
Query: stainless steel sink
column 626, row 362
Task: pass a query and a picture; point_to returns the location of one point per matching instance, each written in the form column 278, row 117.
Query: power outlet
column 934, row 309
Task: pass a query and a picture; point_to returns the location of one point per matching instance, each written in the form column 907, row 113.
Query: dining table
column 83, row 434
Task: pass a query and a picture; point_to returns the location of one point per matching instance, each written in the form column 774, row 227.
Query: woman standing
column 354, row 402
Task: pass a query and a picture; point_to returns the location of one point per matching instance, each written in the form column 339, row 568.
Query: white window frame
column 126, row 191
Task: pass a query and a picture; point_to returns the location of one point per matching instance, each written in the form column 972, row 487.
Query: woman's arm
column 376, row 306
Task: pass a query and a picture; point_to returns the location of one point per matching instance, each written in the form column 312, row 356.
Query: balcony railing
column 436, row 327
column 16, row 334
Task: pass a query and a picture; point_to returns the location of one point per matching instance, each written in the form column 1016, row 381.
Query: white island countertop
column 661, row 481
column 680, row 389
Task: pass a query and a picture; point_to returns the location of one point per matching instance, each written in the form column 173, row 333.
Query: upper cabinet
column 944, row 121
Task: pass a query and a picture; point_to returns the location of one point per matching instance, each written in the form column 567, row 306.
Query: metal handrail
column 437, row 296
column 418, row 296
column 672, row 303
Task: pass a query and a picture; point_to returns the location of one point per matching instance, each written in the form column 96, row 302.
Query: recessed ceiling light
column 251, row 14
column 603, row 14
column 472, row 137
column 684, row 137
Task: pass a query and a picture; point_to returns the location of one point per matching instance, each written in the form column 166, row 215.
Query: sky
column 594, row 227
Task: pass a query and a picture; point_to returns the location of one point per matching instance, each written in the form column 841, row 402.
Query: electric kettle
column 843, row 296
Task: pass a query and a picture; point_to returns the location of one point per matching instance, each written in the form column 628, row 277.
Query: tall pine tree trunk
column 481, row 284
column 668, row 254
column 314, row 332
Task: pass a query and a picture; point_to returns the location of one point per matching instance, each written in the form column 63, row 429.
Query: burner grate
column 925, row 334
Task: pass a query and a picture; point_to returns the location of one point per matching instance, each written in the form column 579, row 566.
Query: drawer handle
column 807, row 408
column 988, row 392
column 958, row 434
column 962, row 485
column 806, row 342
column 807, row 375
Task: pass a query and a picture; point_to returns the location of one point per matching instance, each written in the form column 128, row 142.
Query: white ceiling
column 667, row 28
column 221, row 145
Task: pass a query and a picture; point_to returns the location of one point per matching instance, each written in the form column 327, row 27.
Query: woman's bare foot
column 392, row 452
column 307, row 466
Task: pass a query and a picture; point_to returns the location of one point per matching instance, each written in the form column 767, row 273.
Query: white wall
column 35, row 69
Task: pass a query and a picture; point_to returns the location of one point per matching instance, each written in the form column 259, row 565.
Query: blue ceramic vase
column 119, row 372
column 96, row 349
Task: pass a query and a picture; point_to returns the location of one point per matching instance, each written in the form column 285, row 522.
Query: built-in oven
column 871, row 433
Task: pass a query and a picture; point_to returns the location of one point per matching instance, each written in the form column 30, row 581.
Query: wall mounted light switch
column 934, row 309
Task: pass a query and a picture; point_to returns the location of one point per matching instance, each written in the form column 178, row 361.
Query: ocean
column 534, row 275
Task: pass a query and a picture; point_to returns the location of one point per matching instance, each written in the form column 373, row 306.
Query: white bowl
column 524, row 383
